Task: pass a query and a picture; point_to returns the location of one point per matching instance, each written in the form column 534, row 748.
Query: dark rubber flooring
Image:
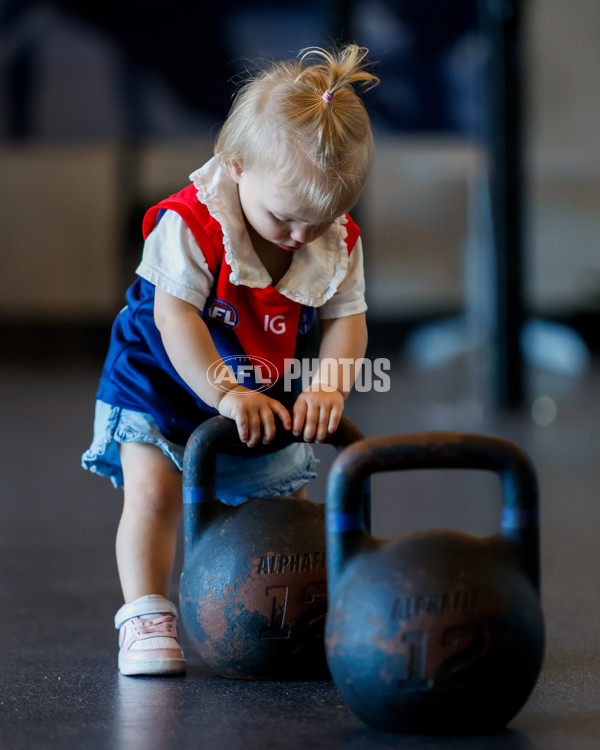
column 59, row 686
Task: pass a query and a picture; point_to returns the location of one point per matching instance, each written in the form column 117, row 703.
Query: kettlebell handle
column 432, row 450
column 219, row 432
column 200, row 457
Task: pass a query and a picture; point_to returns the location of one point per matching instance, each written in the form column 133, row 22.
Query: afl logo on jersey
column 224, row 313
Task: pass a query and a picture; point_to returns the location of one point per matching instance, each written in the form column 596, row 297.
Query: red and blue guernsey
column 248, row 325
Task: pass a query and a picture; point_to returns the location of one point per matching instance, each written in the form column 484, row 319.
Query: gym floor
column 59, row 685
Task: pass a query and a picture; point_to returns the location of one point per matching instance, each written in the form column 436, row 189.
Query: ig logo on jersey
column 224, row 313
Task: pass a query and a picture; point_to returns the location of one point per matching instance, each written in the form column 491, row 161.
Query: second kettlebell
column 434, row 631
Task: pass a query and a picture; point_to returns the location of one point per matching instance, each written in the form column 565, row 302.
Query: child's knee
column 153, row 499
column 152, row 483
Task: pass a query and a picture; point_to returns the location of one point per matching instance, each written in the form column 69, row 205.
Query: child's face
column 272, row 210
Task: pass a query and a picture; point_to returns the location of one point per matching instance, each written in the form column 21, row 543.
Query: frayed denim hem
column 237, row 478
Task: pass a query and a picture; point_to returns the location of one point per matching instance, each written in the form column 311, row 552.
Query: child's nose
column 301, row 234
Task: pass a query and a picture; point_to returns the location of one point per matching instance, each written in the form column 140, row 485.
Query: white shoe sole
column 157, row 667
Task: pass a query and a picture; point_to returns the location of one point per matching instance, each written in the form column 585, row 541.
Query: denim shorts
column 237, row 478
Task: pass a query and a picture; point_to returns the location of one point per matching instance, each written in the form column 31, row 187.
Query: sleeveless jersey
column 254, row 331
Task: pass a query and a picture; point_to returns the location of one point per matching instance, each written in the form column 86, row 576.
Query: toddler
column 232, row 268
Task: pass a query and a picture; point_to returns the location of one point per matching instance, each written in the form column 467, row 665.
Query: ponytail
column 306, row 118
column 326, row 97
column 339, row 68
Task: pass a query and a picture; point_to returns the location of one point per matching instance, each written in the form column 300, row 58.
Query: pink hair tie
column 327, row 96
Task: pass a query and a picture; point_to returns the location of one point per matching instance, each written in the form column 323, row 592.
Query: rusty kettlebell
column 434, row 631
column 253, row 591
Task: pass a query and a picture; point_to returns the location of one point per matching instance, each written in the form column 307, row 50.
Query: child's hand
column 317, row 410
column 253, row 413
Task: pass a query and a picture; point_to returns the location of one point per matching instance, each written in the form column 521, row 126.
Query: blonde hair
column 303, row 122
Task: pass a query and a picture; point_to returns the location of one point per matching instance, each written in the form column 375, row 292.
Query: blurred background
column 106, row 108
column 482, row 248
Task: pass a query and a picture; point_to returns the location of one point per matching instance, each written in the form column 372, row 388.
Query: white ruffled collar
column 317, row 269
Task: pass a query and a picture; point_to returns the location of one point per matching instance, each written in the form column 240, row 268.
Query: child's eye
column 277, row 219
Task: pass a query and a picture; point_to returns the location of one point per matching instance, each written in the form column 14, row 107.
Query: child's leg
column 146, row 539
column 147, row 533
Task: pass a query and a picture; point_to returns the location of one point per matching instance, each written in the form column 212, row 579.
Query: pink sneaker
column 148, row 636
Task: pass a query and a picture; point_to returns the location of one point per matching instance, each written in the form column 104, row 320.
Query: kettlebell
column 253, row 591
column 435, row 631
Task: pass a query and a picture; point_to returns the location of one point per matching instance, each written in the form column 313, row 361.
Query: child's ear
column 235, row 170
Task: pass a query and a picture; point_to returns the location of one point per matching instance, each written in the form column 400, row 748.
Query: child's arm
column 191, row 350
column 318, row 409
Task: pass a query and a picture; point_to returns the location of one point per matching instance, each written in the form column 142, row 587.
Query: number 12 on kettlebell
column 434, row 631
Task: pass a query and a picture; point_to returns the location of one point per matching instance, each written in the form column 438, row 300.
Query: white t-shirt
column 322, row 274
